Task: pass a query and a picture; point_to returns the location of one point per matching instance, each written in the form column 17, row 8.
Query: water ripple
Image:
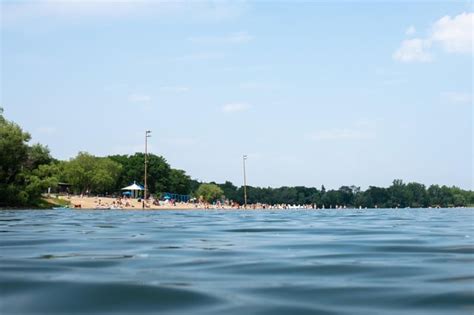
column 237, row 262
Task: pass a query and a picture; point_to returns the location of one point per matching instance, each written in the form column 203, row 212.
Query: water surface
column 389, row 261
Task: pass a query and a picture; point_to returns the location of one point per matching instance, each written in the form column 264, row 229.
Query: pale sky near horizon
column 315, row 93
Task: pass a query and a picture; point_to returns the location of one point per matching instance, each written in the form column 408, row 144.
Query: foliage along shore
column 28, row 170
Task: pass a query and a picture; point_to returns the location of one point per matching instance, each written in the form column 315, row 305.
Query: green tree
column 435, row 196
column 23, row 168
column 38, row 155
column 209, row 192
column 87, row 173
column 13, row 150
column 133, row 168
column 375, row 197
column 230, row 191
column 346, row 195
column 398, row 194
column 179, row 182
column 416, row 195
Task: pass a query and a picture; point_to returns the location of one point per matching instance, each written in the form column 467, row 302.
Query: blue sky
column 314, row 93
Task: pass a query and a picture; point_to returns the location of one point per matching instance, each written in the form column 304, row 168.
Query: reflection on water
column 237, row 262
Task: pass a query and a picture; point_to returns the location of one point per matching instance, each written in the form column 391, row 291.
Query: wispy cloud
column 452, row 34
column 139, row 98
column 455, row 34
column 412, row 50
column 457, row 97
column 235, row 107
column 233, row 38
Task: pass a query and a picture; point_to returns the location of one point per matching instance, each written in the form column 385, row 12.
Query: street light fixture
column 147, row 135
column 244, row 158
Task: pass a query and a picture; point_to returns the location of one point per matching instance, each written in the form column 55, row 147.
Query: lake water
column 407, row 261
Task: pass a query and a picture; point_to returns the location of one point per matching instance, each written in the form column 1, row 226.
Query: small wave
column 90, row 297
column 259, row 230
column 426, row 249
column 13, row 243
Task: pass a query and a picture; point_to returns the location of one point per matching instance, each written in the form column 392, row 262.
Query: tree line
column 28, row 170
column 399, row 194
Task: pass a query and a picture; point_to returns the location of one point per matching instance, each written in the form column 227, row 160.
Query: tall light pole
column 147, row 135
column 244, row 158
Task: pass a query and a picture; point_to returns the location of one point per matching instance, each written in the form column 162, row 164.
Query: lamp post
column 244, row 158
column 147, row 135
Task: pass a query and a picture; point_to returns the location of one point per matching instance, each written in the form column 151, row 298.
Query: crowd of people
column 127, row 202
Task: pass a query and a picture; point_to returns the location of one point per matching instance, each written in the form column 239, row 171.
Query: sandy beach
column 78, row 202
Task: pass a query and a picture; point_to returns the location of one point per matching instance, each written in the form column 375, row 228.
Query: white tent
column 134, row 189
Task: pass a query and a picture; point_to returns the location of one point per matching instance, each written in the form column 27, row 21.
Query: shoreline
column 108, row 203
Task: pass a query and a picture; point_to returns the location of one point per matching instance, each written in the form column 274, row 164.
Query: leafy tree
column 209, row 192
column 331, row 198
column 435, row 195
column 87, row 173
column 133, row 168
column 13, row 150
column 398, row 194
column 194, row 185
column 416, row 195
column 346, row 195
column 375, row 197
column 38, row 155
column 179, row 182
column 230, row 191
column 23, row 175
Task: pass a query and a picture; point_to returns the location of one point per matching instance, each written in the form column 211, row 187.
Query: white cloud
column 341, row 134
column 410, row 31
column 413, row 50
column 139, row 98
column 453, row 34
column 235, row 107
column 457, row 97
column 234, row 38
